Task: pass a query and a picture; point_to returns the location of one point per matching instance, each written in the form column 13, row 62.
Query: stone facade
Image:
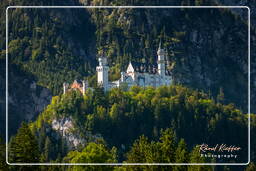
column 140, row 74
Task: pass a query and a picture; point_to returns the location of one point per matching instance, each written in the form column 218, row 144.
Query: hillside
column 131, row 126
column 121, row 117
column 207, row 49
column 62, row 45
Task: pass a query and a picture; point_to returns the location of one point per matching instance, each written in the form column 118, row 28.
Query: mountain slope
column 207, row 48
column 121, row 117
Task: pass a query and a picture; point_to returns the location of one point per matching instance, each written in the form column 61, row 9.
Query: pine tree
column 196, row 158
column 41, row 136
column 23, row 147
column 47, row 149
column 139, row 150
column 168, row 145
column 181, row 156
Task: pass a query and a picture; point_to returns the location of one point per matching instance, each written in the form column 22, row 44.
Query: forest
column 208, row 103
column 142, row 125
column 54, row 51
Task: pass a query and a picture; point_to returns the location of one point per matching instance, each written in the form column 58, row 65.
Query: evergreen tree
column 141, row 152
column 167, row 145
column 41, row 136
column 181, row 156
column 23, row 148
column 196, row 158
column 251, row 167
column 47, row 149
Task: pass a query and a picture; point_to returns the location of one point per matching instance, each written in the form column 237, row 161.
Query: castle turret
column 85, row 86
column 102, row 72
column 65, row 88
column 122, row 76
column 161, row 59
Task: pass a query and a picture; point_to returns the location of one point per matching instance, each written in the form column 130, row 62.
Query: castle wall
column 137, row 74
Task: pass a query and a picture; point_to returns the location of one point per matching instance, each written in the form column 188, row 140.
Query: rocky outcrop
column 26, row 99
column 65, row 127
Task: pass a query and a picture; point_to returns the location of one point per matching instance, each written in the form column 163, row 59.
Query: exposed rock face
column 212, row 53
column 34, row 101
column 65, row 127
column 25, row 101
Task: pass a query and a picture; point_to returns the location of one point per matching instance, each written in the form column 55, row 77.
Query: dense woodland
column 149, row 125
column 208, row 103
column 205, row 54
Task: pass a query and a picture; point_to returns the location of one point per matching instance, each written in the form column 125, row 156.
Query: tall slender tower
column 85, row 86
column 102, row 72
column 161, row 60
column 65, row 87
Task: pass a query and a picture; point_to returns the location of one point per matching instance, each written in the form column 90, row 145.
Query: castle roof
column 77, row 82
column 147, row 68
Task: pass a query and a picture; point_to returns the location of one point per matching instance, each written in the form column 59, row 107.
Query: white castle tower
column 140, row 74
column 102, row 72
column 161, row 60
column 65, row 87
column 85, row 86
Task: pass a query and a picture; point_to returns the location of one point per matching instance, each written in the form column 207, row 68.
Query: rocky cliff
column 26, row 99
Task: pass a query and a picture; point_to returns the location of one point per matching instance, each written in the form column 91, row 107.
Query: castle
column 139, row 74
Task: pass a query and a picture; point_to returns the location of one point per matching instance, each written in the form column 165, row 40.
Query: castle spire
column 102, row 71
column 160, row 51
column 160, row 44
column 161, row 59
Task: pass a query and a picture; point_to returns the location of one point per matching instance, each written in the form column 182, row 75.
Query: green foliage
column 167, row 146
column 133, row 35
column 195, row 158
column 158, row 121
column 23, row 147
column 47, row 149
column 163, row 151
column 3, row 164
column 251, row 167
column 48, row 45
column 92, row 153
column 166, row 150
column 114, row 73
column 181, row 156
column 36, row 54
column 140, row 151
column 69, row 104
column 190, row 114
